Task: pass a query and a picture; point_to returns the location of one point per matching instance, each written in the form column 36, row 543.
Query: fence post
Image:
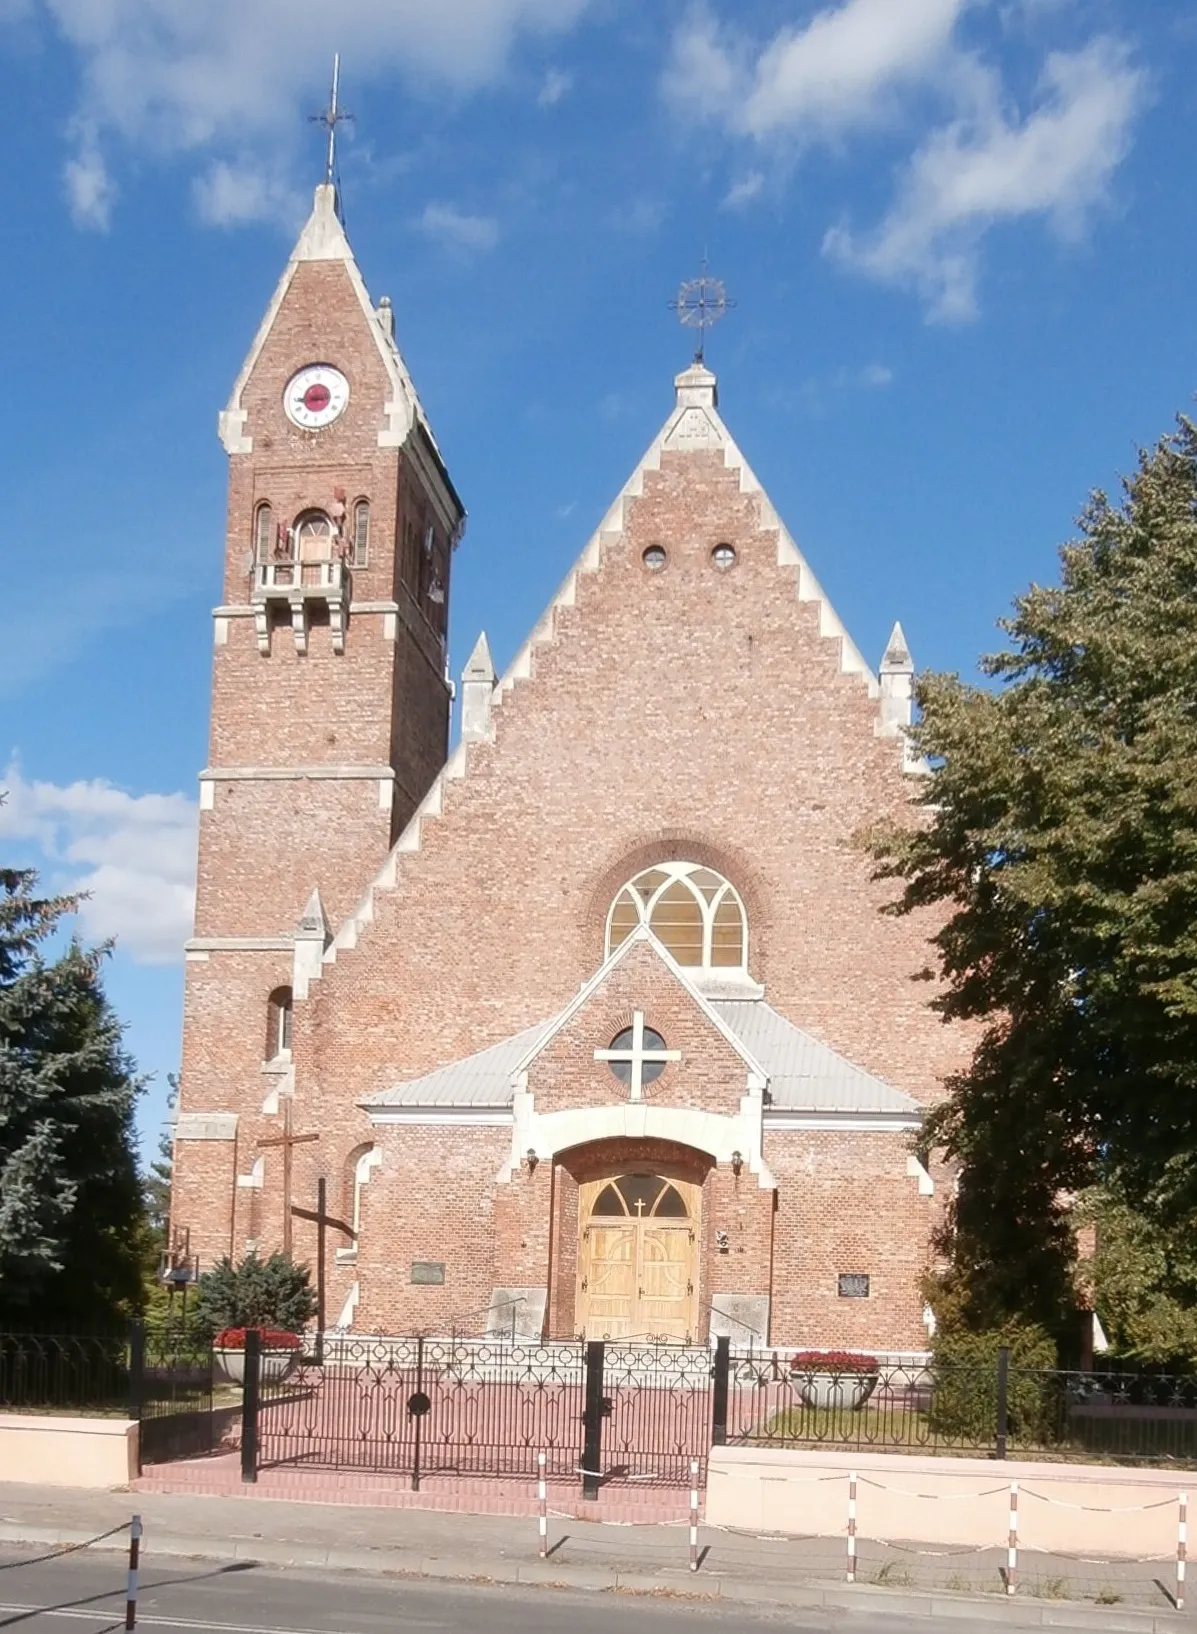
column 719, row 1404
column 592, row 1418
column 1182, row 1549
column 1003, row 1397
column 321, row 1241
column 136, row 1367
column 131, row 1580
column 250, row 1388
column 419, row 1417
column 1012, row 1542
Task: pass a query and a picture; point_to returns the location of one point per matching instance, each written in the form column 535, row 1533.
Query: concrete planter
column 277, row 1365
column 849, row 1390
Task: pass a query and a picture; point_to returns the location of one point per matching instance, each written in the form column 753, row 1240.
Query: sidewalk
column 652, row 1559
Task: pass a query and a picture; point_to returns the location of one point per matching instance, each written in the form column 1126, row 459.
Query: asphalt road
column 85, row 1594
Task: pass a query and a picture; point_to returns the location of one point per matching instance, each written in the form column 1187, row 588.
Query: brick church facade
column 592, row 1025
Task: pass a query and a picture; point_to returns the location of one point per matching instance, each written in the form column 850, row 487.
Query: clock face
column 315, row 396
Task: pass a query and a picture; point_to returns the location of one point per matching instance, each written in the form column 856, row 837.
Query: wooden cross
column 288, row 1141
column 637, row 1057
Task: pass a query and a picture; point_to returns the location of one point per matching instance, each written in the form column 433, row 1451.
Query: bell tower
column 330, row 702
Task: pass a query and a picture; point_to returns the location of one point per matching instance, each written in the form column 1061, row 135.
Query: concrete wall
column 1095, row 1508
column 86, row 1452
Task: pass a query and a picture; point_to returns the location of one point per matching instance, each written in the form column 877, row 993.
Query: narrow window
column 263, row 533
column 361, row 533
column 278, row 1024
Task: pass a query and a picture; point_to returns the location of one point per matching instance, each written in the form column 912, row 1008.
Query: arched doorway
column 638, row 1257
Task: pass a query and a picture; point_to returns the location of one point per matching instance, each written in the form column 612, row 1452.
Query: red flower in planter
column 271, row 1339
column 833, row 1361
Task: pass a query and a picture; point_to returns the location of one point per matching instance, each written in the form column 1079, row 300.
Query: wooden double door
column 638, row 1258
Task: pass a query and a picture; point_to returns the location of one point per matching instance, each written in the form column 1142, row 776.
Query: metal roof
column 804, row 1075
column 479, row 1080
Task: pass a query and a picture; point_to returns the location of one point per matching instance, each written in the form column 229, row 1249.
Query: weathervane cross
column 331, row 117
column 700, row 304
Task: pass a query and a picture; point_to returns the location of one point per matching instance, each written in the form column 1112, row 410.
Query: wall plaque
column 429, row 1272
column 853, row 1286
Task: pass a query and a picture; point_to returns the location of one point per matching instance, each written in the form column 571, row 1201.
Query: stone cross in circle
column 638, row 1056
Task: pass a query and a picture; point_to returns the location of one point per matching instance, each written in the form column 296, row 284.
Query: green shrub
column 964, row 1405
column 271, row 1293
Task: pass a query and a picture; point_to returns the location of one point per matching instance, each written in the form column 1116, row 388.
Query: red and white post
column 1182, row 1546
column 694, row 1514
column 542, row 1505
column 131, row 1589
column 1012, row 1542
column 851, row 1573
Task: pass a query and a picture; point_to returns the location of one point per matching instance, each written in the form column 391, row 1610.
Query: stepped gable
column 593, row 670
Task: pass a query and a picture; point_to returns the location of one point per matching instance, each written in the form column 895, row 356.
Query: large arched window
column 694, row 911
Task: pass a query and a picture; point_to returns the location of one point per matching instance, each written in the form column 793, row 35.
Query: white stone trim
column 239, row 944
column 718, row 1135
column 191, row 957
column 295, row 774
column 916, row 1171
column 255, row 1179
column 206, row 1126
column 876, row 1123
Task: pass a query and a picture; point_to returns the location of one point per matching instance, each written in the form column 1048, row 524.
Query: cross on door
column 637, row 1057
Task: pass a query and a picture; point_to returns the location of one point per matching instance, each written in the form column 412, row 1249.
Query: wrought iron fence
column 162, row 1378
column 423, row 1406
column 994, row 1410
column 40, row 1372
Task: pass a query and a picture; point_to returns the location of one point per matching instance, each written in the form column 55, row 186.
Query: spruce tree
column 1058, row 829
column 70, row 1201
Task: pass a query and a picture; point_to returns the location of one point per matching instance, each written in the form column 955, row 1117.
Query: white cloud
column 458, row 229
column 872, row 377
column 167, row 76
column 818, row 81
column 229, row 195
column 135, row 854
column 864, row 65
column 89, row 188
column 557, row 85
column 742, row 192
column 973, row 173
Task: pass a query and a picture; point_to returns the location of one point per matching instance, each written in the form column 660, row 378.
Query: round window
column 654, row 558
column 624, row 1045
column 724, row 556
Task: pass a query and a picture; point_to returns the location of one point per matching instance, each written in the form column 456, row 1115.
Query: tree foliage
column 70, row 1204
column 1142, row 1278
column 271, row 1293
column 1060, row 833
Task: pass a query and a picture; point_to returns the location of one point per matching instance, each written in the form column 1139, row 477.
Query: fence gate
column 423, row 1407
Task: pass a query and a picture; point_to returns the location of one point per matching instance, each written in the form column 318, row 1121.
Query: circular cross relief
column 623, row 1048
column 724, row 556
column 654, row 558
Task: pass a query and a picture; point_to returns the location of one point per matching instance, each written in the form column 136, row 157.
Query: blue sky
column 960, row 235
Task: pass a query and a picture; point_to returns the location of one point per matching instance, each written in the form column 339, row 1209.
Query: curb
column 682, row 1585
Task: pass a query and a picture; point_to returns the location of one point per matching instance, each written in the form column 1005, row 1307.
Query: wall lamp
column 737, row 1163
column 532, row 1160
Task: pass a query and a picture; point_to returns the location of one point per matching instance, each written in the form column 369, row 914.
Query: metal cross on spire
column 331, row 117
column 700, row 304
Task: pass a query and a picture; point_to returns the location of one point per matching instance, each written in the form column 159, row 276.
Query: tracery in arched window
column 692, row 910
